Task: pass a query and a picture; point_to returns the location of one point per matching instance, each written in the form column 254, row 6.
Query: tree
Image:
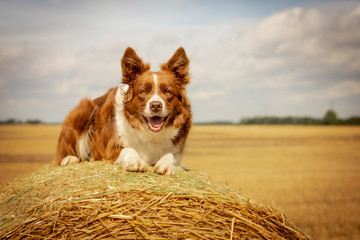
column 33, row 121
column 330, row 117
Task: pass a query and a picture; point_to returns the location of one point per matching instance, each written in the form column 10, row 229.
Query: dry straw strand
column 95, row 200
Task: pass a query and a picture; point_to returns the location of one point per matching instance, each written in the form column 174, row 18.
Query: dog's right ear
column 132, row 66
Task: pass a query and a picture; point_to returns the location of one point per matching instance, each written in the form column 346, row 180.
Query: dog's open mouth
column 155, row 123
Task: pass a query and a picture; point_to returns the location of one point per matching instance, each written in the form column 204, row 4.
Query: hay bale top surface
column 97, row 200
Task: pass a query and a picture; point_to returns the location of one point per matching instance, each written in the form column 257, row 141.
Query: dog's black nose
column 155, row 106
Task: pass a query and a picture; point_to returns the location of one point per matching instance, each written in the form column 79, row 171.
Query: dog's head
column 156, row 99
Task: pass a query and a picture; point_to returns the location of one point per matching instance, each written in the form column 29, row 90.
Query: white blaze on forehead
column 155, row 97
column 156, row 83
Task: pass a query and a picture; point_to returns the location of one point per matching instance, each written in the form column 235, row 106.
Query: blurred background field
column 311, row 173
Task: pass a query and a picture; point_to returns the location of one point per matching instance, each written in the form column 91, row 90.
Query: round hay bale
column 97, row 200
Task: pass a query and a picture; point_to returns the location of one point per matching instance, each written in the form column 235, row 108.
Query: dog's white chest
column 150, row 146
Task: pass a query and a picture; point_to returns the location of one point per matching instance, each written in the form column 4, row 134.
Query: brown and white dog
column 144, row 121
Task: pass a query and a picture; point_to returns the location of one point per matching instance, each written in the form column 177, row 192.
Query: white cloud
column 339, row 90
column 207, row 94
column 301, row 38
column 296, row 47
column 344, row 89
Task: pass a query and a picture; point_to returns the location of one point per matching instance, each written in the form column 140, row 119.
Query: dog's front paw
column 165, row 166
column 129, row 159
column 68, row 160
column 165, row 169
column 135, row 165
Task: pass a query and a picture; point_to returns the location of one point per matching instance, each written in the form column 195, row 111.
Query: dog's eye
column 168, row 92
column 143, row 92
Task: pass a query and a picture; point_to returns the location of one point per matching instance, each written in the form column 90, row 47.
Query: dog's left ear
column 179, row 65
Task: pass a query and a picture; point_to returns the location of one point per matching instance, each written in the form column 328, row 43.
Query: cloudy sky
column 248, row 58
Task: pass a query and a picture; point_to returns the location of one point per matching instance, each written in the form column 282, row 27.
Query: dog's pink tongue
column 155, row 124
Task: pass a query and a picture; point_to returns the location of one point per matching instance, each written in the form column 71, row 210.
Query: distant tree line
column 330, row 118
column 17, row 121
column 215, row 123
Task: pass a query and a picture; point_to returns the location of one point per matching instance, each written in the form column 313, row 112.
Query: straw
column 97, row 200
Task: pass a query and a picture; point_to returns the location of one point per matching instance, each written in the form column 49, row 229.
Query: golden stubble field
column 311, row 173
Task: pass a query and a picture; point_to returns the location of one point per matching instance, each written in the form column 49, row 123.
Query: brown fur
column 75, row 125
column 95, row 118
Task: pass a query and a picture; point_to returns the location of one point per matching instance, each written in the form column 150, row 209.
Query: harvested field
column 25, row 148
column 312, row 173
